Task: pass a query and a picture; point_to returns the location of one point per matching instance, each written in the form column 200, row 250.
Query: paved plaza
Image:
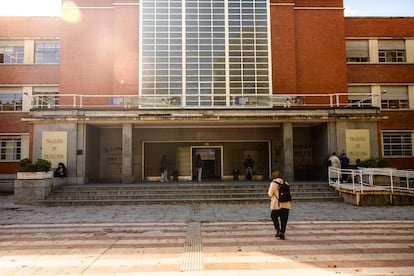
column 323, row 238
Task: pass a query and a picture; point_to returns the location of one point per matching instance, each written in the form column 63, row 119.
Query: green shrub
column 375, row 162
column 25, row 163
column 41, row 165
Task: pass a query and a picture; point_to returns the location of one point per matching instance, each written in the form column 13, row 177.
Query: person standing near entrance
column 199, row 166
column 344, row 165
column 279, row 210
column 336, row 163
column 164, row 169
column 248, row 164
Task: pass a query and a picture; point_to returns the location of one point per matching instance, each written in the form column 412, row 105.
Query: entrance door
column 211, row 160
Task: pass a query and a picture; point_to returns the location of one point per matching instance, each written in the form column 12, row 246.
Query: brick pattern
column 311, row 248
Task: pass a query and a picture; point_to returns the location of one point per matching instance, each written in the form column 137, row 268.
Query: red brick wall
column 20, row 28
column 87, row 46
column 9, row 167
column 29, row 74
column 320, row 51
column 379, row 27
column 397, row 120
column 283, row 48
column 308, row 48
column 384, row 73
column 381, row 73
column 126, row 44
column 29, row 27
column 319, row 3
column 12, row 123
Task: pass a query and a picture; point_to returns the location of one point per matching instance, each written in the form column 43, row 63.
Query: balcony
column 202, row 101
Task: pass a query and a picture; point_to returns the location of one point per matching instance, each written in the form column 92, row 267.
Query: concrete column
column 409, row 50
column 80, row 153
column 287, row 152
column 29, row 51
column 127, row 175
column 376, row 95
column 373, row 50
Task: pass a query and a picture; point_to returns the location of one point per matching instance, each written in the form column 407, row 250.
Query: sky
column 379, row 7
column 352, row 7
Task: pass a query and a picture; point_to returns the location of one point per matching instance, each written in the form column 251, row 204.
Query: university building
column 113, row 85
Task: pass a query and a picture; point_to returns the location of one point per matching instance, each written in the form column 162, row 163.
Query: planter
column 32, row 186
column 34, row 175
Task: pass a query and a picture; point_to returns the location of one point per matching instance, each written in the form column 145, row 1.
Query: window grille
column 10, row 148
column 397, row 144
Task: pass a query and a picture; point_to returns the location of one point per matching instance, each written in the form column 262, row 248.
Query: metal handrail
column 363, row 179
column 207, row 101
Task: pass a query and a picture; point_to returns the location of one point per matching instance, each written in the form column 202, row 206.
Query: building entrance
column 211, row 160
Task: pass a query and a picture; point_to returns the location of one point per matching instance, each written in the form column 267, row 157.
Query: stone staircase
column 180, row 192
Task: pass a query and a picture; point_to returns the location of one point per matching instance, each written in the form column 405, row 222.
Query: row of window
column 44, row 52
column 392, row 96
column 11, row 98
column 358, row 50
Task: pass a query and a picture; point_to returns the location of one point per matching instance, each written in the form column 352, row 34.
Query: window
column 359, row 95
column 45, row 97
column 47, row 52
column 11, row 99
column 391, row 50
column 357, row 51
column 12, row 54
column 394, row 97
column 397, row 144
column 10, row 148
column 200, row 44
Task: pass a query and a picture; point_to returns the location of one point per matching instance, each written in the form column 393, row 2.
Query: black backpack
column 284, row 192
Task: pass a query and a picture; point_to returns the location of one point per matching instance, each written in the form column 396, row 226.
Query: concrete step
column 179, row 192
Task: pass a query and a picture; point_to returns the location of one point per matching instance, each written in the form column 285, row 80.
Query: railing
column 379, row 179
column 206, row 101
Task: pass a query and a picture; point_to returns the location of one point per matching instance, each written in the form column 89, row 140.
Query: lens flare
column 70, row 12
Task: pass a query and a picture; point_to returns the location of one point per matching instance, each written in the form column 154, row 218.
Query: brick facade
column 99, row 55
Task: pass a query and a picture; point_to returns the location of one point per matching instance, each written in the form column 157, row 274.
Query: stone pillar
column 287, row 152
column 127, row 174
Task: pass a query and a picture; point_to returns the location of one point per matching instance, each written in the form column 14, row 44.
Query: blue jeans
column 199, row 172
column 249, row 171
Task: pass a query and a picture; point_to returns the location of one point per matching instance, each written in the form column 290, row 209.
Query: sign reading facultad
column 54, row 147
column 357, row 144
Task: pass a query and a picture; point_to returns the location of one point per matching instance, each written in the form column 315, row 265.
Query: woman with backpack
column 279, row 193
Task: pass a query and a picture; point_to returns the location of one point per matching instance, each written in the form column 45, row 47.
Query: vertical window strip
column 205, row 69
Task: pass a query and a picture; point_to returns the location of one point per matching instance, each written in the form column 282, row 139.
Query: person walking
column 248, row 164
column 163, row 169
column 279, row 210
column 199, row 166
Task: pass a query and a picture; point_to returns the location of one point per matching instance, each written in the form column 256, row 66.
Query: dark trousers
column 283, row 214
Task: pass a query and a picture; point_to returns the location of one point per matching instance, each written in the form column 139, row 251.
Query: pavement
column 323, row 238
column 301, row 211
